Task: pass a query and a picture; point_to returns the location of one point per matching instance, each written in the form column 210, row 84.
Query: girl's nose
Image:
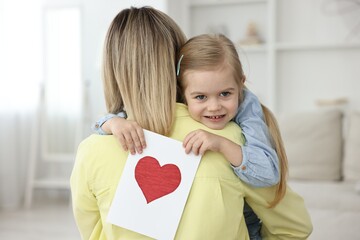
column 214, row 105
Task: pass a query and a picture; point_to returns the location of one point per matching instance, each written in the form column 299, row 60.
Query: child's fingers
column 188, row 148
column 136, row 141
column 187, row 144
column 122, row 141
column 140, row 133
column 129, row 143
column 193, row 145
column 203, row 148
column 188, row 138
column 196, row 147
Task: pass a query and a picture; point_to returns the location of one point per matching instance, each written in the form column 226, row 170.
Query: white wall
column 311, row 50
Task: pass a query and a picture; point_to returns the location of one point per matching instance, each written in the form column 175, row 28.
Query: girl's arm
column 129, row 133
column 199, row 141
column 260, row 163
column 100, row 126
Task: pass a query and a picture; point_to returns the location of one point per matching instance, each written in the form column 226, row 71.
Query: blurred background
column 298, row 55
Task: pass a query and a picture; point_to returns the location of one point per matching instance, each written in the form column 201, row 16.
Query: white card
column 154, row 187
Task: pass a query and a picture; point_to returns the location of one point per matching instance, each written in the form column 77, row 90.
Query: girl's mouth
column 215, row 117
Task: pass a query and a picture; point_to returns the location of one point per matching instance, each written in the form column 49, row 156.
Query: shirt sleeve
column 96, row 127
column 260, row 165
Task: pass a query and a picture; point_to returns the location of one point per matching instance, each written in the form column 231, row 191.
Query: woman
column 139, row 76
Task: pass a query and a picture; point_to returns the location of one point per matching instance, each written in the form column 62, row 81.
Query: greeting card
column 154, row 187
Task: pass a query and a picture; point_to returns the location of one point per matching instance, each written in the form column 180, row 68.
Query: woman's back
column 214, row 204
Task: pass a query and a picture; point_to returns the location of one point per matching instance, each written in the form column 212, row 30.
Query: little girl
column 211, row 80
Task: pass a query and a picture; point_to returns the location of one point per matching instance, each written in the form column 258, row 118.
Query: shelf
column 317, row 46
column 200, row 3
column 252, row 48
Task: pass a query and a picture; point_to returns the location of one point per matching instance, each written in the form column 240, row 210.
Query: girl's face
column 212, row 96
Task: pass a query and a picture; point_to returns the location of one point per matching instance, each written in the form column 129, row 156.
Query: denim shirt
column 96, row 127
column 260, row 167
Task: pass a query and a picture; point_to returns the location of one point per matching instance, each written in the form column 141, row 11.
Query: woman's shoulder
column 96, row 141
column 96, row 147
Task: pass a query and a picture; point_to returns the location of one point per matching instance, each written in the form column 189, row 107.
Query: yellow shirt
column 214, row 209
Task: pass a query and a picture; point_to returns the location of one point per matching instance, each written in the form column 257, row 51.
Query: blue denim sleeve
column 96, row 127
column 260, row 165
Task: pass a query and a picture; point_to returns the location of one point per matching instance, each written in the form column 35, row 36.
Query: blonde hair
column 139, row 67
column 209, row 52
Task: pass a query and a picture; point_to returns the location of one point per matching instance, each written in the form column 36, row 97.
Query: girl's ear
column 244, row 79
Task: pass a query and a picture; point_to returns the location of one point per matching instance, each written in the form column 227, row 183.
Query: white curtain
column 20, row 77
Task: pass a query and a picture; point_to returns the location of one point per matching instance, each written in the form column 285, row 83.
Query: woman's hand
column 129, row 133
column 199, row 141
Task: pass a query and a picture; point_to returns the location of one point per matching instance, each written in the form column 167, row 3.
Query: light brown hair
column 278, row 145
column 139, row 67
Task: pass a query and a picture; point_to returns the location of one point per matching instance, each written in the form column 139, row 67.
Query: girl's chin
column 215, row 126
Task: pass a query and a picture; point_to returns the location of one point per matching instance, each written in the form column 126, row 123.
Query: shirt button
column 97, row 126
column 243, row 168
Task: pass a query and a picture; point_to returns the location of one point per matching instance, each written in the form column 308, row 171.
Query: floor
column 48, row 220
column 53, row 220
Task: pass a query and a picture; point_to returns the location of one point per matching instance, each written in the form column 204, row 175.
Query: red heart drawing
column 156, row 181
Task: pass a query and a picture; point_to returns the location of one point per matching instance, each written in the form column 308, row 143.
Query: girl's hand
column 200, row 141
column 129, row 133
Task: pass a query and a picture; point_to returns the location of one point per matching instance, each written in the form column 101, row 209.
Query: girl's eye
column 200, row 97
column 225, row 94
